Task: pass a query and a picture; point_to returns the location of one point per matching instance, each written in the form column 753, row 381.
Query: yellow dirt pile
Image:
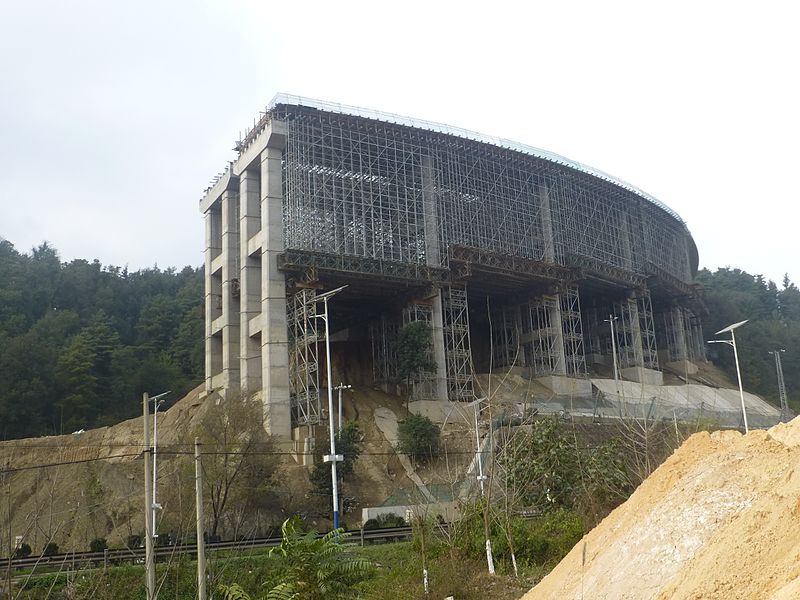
column 719, row 520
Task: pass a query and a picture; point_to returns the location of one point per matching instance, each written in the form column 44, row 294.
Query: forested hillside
column 733, row 295
column 80, row 342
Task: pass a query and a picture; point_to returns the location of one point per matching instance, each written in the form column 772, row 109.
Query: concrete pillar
column 437, row 329
column 213, row 247
column 430, row 214
column 557, row 337
column 274, row 333
column 230, row 291
column 636, row 332
column 547, row 225
column 679, row 332
column 250, row 279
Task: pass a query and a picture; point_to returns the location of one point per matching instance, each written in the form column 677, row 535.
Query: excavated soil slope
column 719, row 520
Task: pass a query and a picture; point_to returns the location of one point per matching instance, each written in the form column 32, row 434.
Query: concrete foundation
column 642, row 375
column 441, row 412
column 566, row 386
column 682, row 367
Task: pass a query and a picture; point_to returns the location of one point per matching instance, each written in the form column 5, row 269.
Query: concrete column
column 430, row 214
column 250, row 279
column 274, row 333
column 636, row 332
column 213, row 248
column 547, row 224
column 230, row 291
column 557, row 333
column 679, row 329
column 437, row 329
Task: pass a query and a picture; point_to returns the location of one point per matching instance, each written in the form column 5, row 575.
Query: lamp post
column 332, row 458
column 155, row 506
column 732, row 342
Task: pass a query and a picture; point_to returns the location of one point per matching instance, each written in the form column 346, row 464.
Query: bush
column 134, row 541
column 418, row 437
column 50, row 549
column 98, row 545
column 22, row 551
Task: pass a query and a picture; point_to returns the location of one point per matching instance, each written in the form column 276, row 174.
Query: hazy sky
column 115, row 115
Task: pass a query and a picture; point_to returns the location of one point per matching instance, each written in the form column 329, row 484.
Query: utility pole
column 149, row 558
column 781, row 385
column 201, row 543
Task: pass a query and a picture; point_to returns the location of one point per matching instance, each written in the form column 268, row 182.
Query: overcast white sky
column 115, row 115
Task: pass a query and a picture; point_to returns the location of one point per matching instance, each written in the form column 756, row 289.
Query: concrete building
column 494, row 244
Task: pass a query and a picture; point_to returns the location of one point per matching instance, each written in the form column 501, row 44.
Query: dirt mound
column 719, row 520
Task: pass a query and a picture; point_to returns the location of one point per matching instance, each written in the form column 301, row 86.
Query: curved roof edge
column 354, row 111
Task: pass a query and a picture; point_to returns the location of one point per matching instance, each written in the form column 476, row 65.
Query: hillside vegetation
column 80, row 342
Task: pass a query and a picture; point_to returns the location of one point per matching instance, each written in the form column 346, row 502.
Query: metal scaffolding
column 542, row 336
column 458, row 350
column 363, row 188
column 648, row 330
column 574, row 355
column 383, row 338
column 505, row 337
column 304, row 338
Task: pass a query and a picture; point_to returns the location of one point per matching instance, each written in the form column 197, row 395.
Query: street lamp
column 155, row 506
column 732, row 342
column 332, row 458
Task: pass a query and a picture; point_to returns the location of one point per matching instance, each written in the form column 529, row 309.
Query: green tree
column 349, row 444
column 418, row 437
column 414, row 345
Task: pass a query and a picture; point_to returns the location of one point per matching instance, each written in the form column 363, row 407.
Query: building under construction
column 513, row 255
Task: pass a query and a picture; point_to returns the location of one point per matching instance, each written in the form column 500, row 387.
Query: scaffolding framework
column 304, row 338
column 383, row 339
column 458, row 349
column 368, row 189
column 574, row 355
column 647, row 327
column 506, row 349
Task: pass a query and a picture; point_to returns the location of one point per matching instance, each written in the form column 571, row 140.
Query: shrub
column 98, row 545
column 22, row 551
column 50, row 549
column 418, row 437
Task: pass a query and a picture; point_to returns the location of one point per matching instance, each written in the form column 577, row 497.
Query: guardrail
column 77, row 560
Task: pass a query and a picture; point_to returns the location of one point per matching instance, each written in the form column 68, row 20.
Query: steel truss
column 457, row 347
column 304, row 338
